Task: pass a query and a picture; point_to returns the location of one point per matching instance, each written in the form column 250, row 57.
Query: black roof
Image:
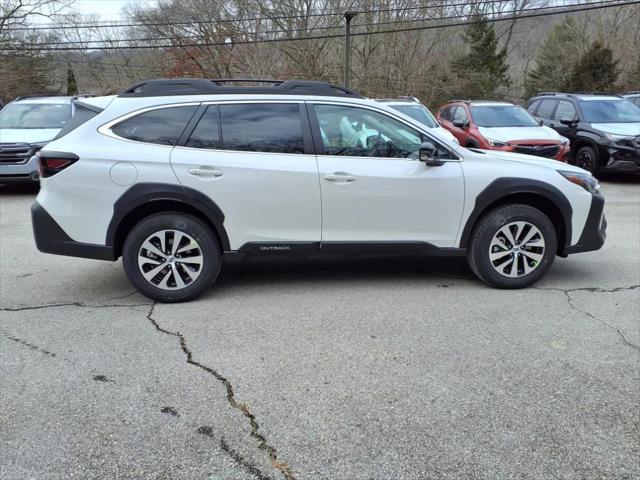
column 226, row 86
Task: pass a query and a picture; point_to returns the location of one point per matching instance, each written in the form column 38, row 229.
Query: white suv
column 176, row 176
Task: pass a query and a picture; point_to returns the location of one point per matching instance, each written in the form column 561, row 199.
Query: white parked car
column 26, row 125
column 176, row 176
column 412, row 108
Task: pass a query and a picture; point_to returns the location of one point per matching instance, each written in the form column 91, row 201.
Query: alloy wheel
column 584, row 160
column 170, row 259
column 516, row 249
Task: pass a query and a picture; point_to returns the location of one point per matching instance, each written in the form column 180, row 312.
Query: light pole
column 348, row 16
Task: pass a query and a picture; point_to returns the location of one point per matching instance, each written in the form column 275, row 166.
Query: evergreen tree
column 72, row 86
column 482, row 70
column 559, row 51
column 596, row 70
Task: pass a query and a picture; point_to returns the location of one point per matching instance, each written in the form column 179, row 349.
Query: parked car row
column 598, row 133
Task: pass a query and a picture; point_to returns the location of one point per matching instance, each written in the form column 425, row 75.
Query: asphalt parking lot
column 359, row 370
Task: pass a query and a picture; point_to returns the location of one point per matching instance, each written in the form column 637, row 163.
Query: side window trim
column 191, row 126
column 105, row 129
column 317, row 136
column 304, row 125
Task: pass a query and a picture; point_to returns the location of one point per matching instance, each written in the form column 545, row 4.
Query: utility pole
column 348, row 16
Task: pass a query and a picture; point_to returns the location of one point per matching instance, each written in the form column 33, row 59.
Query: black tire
column 183, row 223
column 587, row 158
column 489, row 225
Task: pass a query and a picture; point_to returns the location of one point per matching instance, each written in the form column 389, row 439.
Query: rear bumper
column 51, row 238
column 594, row 233
column 20, row 172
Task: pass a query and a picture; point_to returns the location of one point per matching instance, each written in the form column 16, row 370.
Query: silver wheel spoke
column 173, row 272
column 197, row 260
column 533, row 256
column 513, row 272
column 153, row 272
column 177, row 238
column 176, row 274
column 189, row 272
column 507, row 233
column 162, row 237
column 164, row 282
column 187, row 247
column 498, row 255
column 147, row 245
column 530, row 234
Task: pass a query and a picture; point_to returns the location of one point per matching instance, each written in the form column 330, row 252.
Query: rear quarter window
column 546, row 108
column 162, row 126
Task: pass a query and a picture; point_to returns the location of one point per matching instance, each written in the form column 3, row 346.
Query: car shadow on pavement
column 19, row 189
column 258, row 272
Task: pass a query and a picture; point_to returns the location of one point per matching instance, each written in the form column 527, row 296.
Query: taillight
column 50, row 163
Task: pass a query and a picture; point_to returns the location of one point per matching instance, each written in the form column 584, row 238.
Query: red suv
column 501, row 126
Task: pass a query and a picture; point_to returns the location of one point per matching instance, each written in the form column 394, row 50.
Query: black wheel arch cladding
column 505, row 187
column 146, row 195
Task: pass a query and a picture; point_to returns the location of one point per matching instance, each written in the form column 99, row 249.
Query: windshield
column 418, row 112
column 502, row 116
column 610, row 111
column 35, row 115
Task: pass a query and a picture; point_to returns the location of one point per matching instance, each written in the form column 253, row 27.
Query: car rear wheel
column 171, row 257
column 512, row 246
column 587, row 158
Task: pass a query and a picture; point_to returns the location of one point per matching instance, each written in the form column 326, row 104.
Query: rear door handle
column 205, row 172
column 339, row 177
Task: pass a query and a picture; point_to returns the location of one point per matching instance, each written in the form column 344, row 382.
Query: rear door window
column 262, row 127
column 162, row 126
column 565, row 111
column 460, row 116
column 546, row 107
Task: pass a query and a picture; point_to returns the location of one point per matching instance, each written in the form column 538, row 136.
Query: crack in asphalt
column 263, row 444
column 72, row 304
column 567, row 294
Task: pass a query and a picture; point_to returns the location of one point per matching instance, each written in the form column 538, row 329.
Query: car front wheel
column 587, row 158
column 171, row 257
column 512, row 246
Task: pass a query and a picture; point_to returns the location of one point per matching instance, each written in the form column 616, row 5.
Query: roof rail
column 632, row 92
column 544, row 94
column 202, row 86
column 35, row 95
column 465, row 100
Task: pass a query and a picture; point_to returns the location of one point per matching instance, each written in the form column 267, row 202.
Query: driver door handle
column 340, row 177
column 205, row 172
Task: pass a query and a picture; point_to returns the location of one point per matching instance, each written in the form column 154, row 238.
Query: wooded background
column 435, row 50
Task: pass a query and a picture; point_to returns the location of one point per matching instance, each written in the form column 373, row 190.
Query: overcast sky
column 106, row 9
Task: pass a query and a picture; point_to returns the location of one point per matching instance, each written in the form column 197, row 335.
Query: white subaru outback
column 176, row 176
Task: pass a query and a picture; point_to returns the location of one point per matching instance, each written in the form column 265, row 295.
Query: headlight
column 615, row 138
column 455, row 140
column 564, row 140
column 585, row 180
column 496, row 143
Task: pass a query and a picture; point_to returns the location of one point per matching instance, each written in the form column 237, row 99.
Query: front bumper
column 624, row 156
column 51, row 238
column 594, row 232
column 20, row 172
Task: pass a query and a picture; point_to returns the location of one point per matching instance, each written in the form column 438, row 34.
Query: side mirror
column 462, row 125
column 428, row 155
